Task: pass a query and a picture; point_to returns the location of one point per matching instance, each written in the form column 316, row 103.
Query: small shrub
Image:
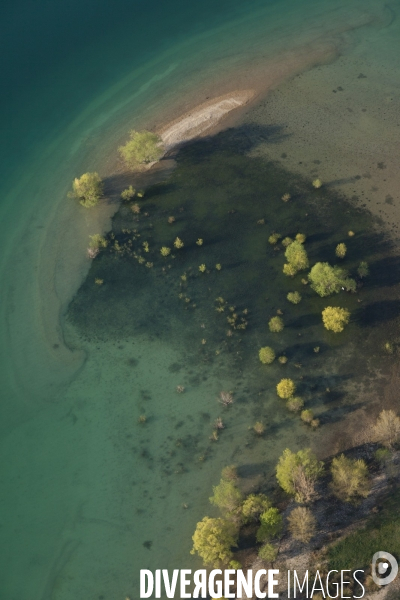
column 213, row 540
column 283, row 360
column 341, row 250
column 287, row 241
column 289, row 270
column 307, row 415
column 259, row 428
column 128, row 194
column 97, row 241
column 230, row 473
column 271, row 525
column 88, row 189
column 178, row 243
column 302, row 524
column 285, row 388
column 295, row 404
column 276, row 324
column 135, row 208
column 254, row 506
column 300, row 237
column 335, row 318
column 286, row 197
column 225, row 398
column 202, row 268
column 317, row 183
column 266, row 355
column 363, row 269
column 165, row 251
column 382, row 455
column 268, row 553
column 142, row 147
column 294, row 297
column 349, row 478
column 274, row 238
column 388, row 347
column 387, row 428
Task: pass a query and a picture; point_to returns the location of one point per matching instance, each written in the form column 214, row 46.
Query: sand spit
column 203, row 118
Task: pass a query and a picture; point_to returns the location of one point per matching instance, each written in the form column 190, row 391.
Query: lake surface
column 89, row 496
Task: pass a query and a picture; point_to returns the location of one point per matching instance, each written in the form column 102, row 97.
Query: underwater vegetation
column 219, row 320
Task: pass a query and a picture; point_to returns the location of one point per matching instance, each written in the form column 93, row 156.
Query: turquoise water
column 74, row 488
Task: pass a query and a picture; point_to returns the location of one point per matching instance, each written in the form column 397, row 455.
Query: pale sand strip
column 203, row 118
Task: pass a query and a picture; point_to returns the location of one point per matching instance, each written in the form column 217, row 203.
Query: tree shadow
column 242, row 138
column 309, row 320
column 385, row 272
column 377, row 312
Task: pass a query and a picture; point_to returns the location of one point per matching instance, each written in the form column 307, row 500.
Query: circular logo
column 378, row 571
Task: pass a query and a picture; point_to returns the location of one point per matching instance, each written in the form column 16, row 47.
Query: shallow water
column 78, row 471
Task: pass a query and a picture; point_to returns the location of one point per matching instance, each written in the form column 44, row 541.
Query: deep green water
column 88, row 496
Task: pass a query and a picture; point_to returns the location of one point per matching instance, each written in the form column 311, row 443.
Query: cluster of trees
column 297, row 474
column 214, row 538
column 142, row 147
column 324, row 278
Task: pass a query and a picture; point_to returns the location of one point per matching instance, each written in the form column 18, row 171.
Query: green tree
column 286, row 388
column 335, row 318
column 296, row 256
column 293, row 467
column 97, row 241
column 349, row 478
column 276, row 324
column 128, row 194
column 363, row 269
column 271, row 525
column 88, row 189
column 227, row 497
column 268, row 553
column 266, row 355
column 326, row 280
column 253, row 506
column 213, row 540
column 142, row 147
column 294, row 297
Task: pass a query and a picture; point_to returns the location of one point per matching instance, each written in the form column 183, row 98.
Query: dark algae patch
column 213, row 297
